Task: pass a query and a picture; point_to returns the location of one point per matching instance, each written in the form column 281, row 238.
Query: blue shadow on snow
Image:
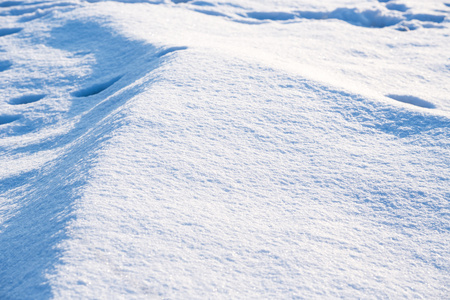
column 44, row 200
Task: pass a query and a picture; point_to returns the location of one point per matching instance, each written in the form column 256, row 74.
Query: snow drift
column 203, row 149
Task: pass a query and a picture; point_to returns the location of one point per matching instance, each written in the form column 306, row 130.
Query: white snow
column 224, row 149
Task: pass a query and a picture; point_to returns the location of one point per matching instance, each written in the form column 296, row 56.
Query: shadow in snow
column 399, row 122
column 131, row 1
column 29, row 239
column 170, row 50
column 34, row 9
column 412, row 100
column 365, row 18
column 370, row 18
column 38, row 14
column 44, row 200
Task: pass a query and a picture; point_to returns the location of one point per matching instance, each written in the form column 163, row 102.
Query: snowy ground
column 224, row 149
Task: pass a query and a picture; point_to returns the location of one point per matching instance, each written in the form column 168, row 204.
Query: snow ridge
column 39, row 216
column 209, row 149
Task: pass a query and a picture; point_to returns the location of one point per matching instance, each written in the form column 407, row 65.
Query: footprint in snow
column 273, row 16
column 95, row 89
column 426, row 18
column 412, row 100
column 8, row 31
column 5, row 119
column 202, row 3
column 37, row 9
column 5, row 65
column 397, row 6
column 365, row 18
column 26, row 99
column 10, row 3
column 36, row 15
column 210, row 13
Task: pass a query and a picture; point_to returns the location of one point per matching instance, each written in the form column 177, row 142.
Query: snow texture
column 224, row 150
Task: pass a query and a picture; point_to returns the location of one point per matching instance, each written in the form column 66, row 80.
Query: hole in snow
column 412, row 100
column 26, row 99
column 96, row 88
column 5, row 65
column 8, row 31
column 5, row 119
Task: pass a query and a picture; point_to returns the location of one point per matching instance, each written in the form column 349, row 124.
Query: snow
column 239, row 149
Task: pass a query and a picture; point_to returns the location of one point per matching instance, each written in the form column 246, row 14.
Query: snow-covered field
column 251, row 149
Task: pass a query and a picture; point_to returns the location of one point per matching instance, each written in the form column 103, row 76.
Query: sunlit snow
column 253, row 149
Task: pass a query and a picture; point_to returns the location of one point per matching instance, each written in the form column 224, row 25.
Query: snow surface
column 224, row 149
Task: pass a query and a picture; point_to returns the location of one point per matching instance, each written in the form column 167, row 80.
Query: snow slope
column 239, row 149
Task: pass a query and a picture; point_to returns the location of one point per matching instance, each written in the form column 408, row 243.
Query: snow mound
column 209, row 149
